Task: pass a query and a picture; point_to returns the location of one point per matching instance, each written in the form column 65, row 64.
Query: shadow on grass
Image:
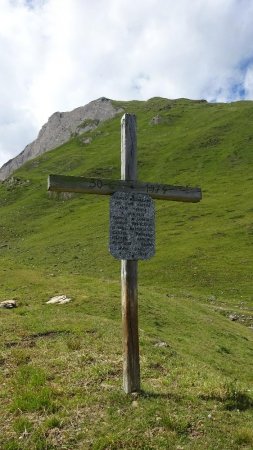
column 29, row 340
column 233, row 400
column 240, row 401
column 159, row 395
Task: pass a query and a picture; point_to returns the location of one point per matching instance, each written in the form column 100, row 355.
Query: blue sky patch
column 245, row 64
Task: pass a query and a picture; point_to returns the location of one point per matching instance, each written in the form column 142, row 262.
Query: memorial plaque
column 132, row 226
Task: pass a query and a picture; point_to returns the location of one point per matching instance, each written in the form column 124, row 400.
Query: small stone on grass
column 58, row 300
column 161, row 344
column 8, row 304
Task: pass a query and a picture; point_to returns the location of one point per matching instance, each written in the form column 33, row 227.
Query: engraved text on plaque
column 132, row 226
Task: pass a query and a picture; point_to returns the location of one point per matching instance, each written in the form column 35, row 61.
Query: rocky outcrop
column 59, row 129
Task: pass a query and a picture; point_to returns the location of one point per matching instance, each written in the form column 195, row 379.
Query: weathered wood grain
column 129, row 269
column 128, row 147
column 61, row 183
column 130, row 331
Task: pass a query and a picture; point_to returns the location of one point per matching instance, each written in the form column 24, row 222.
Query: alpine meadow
column 61, row 365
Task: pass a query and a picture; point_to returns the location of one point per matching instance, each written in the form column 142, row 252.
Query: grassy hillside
column 61, row 365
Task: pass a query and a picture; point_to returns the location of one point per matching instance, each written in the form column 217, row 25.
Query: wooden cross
column 129, row 267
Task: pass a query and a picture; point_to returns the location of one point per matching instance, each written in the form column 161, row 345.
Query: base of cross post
column 131, row 360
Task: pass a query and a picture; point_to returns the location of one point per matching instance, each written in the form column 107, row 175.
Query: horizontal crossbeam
column 60, row 183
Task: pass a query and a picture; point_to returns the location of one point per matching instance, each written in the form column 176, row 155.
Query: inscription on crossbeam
column 132, row 226
column 60, row 183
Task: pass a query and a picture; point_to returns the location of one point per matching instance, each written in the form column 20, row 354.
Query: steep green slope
column 196, row 362
column 207, row 245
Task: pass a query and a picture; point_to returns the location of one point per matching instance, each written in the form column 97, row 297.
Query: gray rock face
column 59, row 129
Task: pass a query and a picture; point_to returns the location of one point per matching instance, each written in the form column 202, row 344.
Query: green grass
column 61, row 366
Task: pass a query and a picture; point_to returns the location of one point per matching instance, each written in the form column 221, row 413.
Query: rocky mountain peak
column 59, row 129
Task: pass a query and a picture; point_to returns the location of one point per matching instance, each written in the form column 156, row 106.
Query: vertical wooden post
column 129, row 269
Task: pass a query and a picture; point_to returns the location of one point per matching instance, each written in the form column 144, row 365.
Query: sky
column 57, row 55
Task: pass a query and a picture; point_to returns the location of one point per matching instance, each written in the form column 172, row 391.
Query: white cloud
column 60, row 54
column 249, row 81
